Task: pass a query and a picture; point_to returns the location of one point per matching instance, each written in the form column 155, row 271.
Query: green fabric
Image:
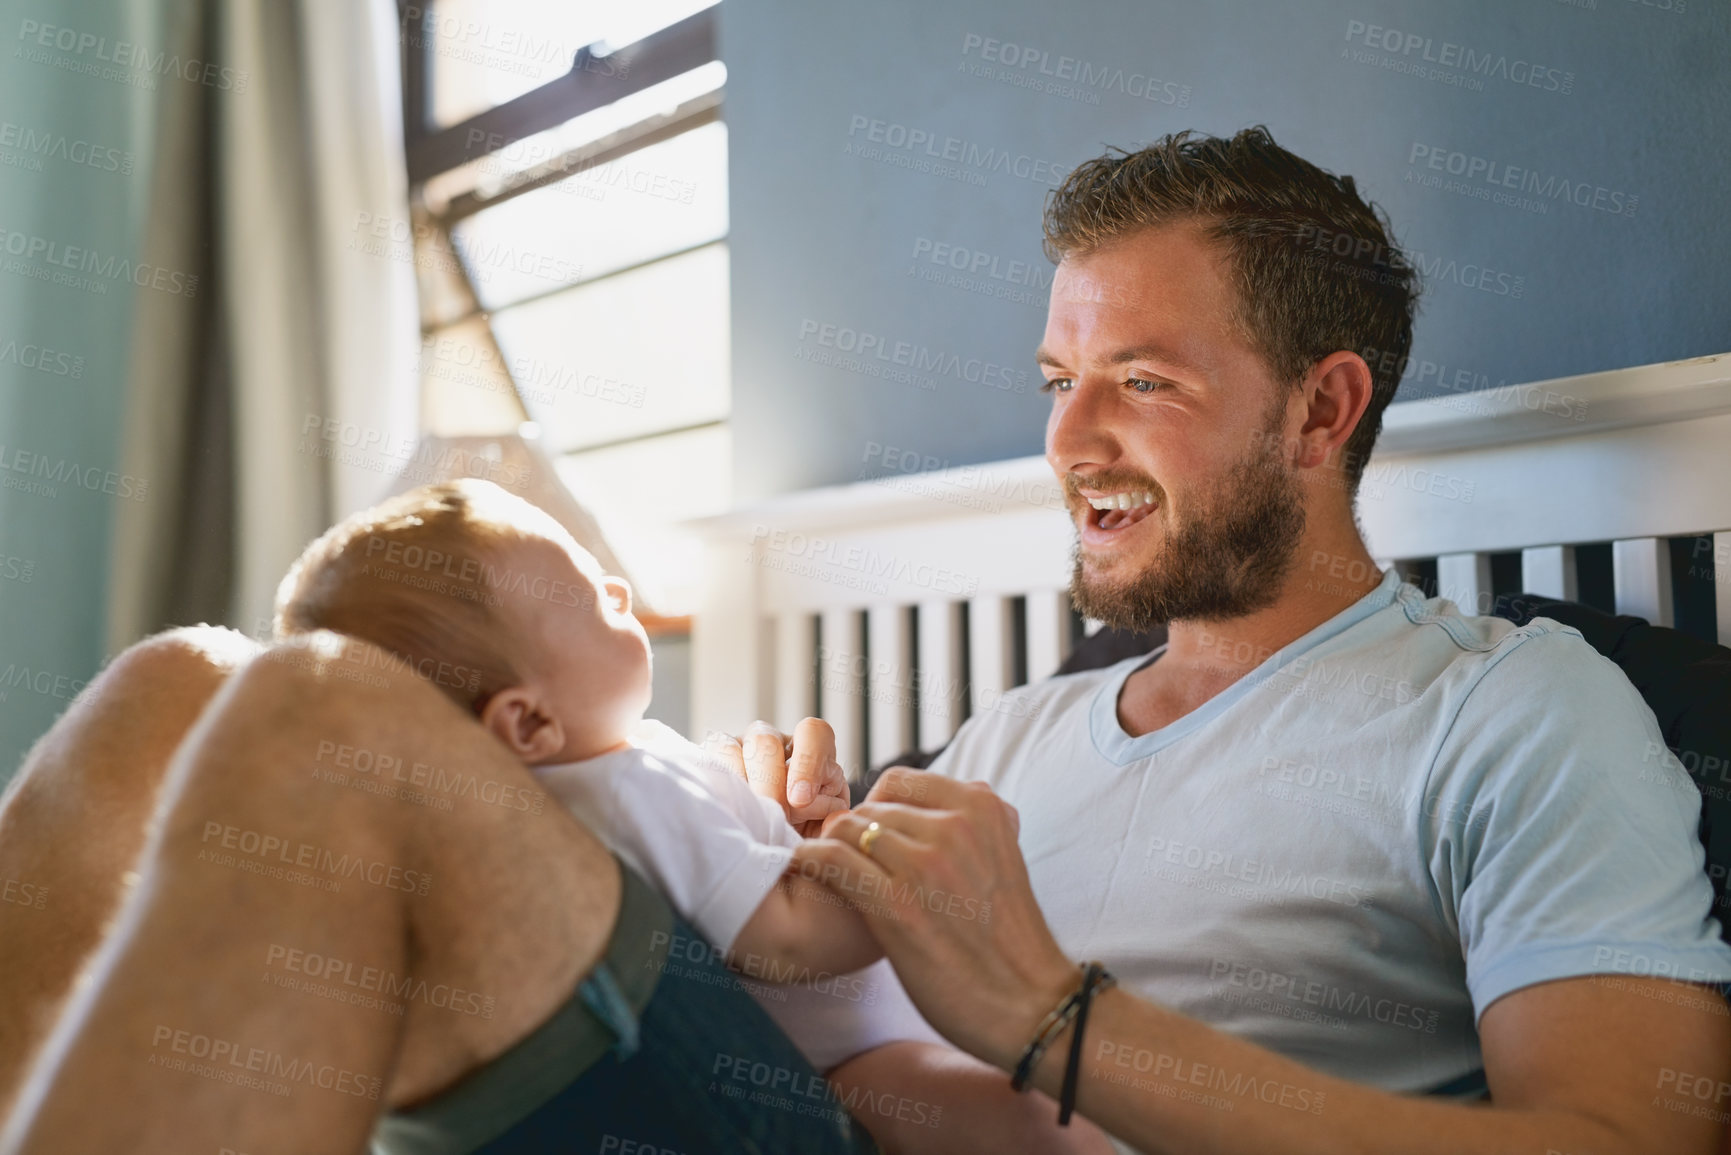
column 65, row 363
column 490, row 1101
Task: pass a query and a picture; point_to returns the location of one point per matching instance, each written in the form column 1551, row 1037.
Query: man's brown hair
column 422, row 576
column 1314, row 265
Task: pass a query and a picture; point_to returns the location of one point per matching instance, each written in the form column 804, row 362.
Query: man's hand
column 951, row 902
column 799, row 774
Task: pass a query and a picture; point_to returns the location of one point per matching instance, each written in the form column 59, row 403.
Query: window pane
column 486, row 175
column 646, row 204
column 482, row 53
column 640, row 493
column 633, row 354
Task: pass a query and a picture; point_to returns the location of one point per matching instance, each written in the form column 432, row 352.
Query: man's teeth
column 1121, row 500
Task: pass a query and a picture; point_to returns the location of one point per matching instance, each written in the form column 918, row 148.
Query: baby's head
column 491, row 599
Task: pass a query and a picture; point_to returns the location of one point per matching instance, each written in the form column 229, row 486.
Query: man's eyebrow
column 1152, row 352
column 1160, row 353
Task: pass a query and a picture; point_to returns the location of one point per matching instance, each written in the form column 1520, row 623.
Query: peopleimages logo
column 49, row 258
column 919, row 358
column 777, row 548
column 1468, row 275
column 228, row 1061
column 59, row 471
column 93, row 51
column 500, row 48
column 41, row 358
column 982, row 264
column 869, row 137
column 339, row 973
column 1026, row 66
column 1489, row 176
column 58, row 146
column 1468, row 60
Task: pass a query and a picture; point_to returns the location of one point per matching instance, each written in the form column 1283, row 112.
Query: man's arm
column 1573, row 1066
column 1612, row 1066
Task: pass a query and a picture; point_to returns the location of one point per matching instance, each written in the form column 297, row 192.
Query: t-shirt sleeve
column 756, row 813
column 697, row 851
column 1561, row 835
column 759, row 815
column 832, row 1018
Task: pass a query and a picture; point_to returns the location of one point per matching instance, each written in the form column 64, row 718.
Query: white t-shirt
column 714, row 850
column 1360, row 845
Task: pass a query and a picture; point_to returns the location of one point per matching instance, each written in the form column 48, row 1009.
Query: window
column 568, row 168
column 484, row 53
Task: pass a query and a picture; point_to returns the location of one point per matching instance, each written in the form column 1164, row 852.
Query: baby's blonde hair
column 420, row 575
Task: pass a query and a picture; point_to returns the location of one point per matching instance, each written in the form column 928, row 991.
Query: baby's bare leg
column 199, row 1031
column 73, row 821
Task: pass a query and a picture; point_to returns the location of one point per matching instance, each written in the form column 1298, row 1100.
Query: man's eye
column 1057, row 385
column 1143, row 385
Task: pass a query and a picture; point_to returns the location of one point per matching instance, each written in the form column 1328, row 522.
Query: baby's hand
column 799, row 774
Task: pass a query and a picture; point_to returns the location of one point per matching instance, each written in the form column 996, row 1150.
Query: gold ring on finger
column 868, row 836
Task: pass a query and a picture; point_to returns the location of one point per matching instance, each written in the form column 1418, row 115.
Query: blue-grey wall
column 671, row 670
column 864, row 137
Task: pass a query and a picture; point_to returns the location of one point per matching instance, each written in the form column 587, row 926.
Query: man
column 1342, row 846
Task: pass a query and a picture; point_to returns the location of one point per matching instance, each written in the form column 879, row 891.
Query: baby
column 531, row 635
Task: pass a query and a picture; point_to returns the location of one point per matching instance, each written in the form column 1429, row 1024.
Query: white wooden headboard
column 898, row 606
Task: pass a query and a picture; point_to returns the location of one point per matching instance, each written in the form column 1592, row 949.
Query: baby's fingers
column 818, row 809
column 814, row 764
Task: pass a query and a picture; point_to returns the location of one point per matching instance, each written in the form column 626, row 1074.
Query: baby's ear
column 516, row 717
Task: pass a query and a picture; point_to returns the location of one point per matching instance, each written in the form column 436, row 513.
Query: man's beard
column 1229, row 559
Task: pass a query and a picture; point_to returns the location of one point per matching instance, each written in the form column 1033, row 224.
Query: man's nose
column 1079, row 431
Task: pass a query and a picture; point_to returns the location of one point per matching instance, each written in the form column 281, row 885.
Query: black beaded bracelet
column 1049, row 1029
column 1067, row 1097
column 1073, row 1008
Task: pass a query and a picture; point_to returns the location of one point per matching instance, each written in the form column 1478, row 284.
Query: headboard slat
column 1048, row 632
column 795, row 688
column 1642, row 572
column 1722, row 584
column 991, row 650
column 1465, row 579
column 940, row 656
column 890, row 638
column 843, row 696
column 1550, row 570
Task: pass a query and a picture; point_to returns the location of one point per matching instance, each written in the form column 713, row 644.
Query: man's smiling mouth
column 1116, row 511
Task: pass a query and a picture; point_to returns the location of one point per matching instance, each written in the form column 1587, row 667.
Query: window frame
column 592, row 82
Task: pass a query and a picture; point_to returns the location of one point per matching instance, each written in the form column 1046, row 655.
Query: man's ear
column 516, row 716
column 1337, row 392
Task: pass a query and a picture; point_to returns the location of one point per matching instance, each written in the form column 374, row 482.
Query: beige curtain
column 275, row 399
